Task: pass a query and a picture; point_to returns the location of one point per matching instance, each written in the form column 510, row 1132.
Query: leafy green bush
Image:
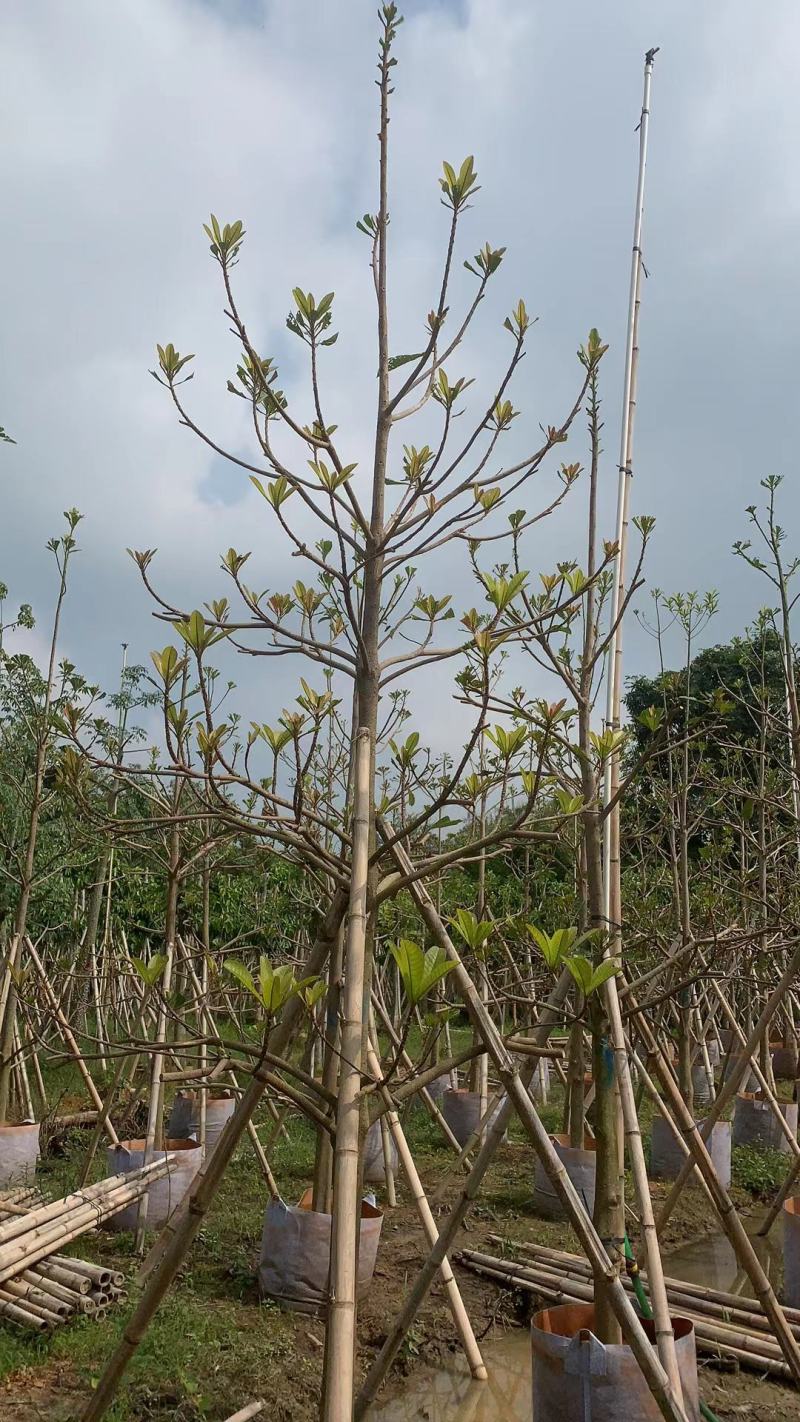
column 759, row 1171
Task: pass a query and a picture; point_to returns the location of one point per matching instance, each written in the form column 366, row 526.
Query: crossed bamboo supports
column 515, row 1084
column 177, row 1237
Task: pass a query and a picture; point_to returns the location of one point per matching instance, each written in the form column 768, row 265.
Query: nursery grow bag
column 754, row 1122
column 581, row 1167
column 784, row 1061
column 462, row 1111
column 184, row 1118
column 164, row 1195
column 702, row 1084
column 575, row 1377
column 179, row 1125
column 219, row 1110
column 666, row 1156
column 749, row 1081
column 296, row 1251
column 374, row 1164
column 791, row 1252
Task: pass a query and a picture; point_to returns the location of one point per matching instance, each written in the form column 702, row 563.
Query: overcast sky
column 125, row 123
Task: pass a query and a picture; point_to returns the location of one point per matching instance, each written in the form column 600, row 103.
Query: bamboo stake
column 759, row 1075
column 260, row 1153
column 780, row 1199
column 456, row 1304
column 388, row 1170
column 72, row 1045
column 245, row 1413
column 755, row 1350
column 652, row 1092
column 425, row 1096
column 603, row 1267
column 156, row 1089
column 178, row 1233
column 340, row 1333
column 731, row 1085
column 550, row 1015
column 726, row 1210
column 611, row 827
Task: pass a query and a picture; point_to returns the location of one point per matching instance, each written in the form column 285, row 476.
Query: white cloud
column 127, row 123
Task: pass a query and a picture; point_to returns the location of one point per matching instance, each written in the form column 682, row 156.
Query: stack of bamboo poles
column 41, row 1287
column 727, row 1326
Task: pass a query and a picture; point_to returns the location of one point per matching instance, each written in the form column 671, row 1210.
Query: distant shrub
column 759, row 1171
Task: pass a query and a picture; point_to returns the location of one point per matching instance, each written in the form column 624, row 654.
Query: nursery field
column 215, row 1346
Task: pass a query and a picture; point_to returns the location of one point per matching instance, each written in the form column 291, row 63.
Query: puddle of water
column 450, row 1395
column 712, row 1262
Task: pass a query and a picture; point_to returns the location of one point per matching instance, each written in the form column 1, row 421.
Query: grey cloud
column 128, row 123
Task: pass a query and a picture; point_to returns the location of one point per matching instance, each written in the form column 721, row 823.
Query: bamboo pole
column 652, row 1092
column 427, row 1100
column 731, row 1085
column 756, row 1350
column 461, row 1319
column 179, row 1233
column 726, row 1210
column 518, row 1096
column 245, row 1413
column 156, row 1088
column 15, row 1313
column 612, row 899
column 341, row 1326
column 62, row 1275
column 69, row 1038
column 22, row 1224
column 20, row 1254
column 701, row 1297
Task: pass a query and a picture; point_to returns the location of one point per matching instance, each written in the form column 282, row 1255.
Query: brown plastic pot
column 575, row 1377
column 296, row 1253
column 581, row 1167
